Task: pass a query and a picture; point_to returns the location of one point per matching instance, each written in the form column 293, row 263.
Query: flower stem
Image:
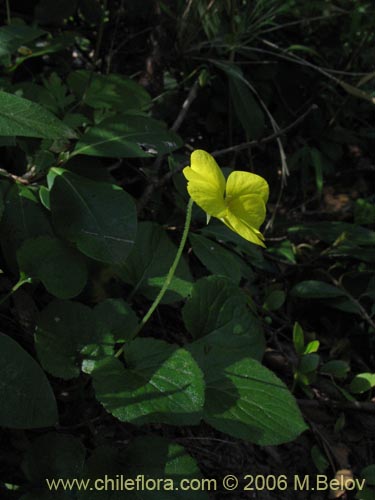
column 21, row 282
column 168, row 279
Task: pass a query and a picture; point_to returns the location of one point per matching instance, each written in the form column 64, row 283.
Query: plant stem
column 20, row 282
column 7, row 6
column 168, row 279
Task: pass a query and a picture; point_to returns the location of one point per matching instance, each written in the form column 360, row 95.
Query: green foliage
column 98, row 217
column 161, row 383
column 21, row 117
column 37, row 259
column 27, row 398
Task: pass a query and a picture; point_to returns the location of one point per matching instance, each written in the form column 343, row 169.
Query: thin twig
column 193, row 92
column 269, row 138
column 9, row 18
column 100, row 34
column 186, row 106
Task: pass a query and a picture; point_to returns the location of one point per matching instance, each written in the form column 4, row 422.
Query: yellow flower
column 239, row 202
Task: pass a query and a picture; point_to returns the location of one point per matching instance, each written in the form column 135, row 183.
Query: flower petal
column 250, row 208
column 240, row 227
column 206, row 183
column 243, row 183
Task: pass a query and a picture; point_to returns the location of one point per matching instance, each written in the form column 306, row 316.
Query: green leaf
column 50, row 45
column 99, row 217
column 69, row 337
column 54, row 456
column 149, row 456
column 23, row 218
column 21, row 117
column 308, row 363
column 216, row 258
column 161, row 383
column 337, row 368
column 149, row 262
column 13, row 36
column 246, row 400
column 298, row 338
column 213, row 301
column 217, row 313
column 284, row 251
column 128, row 136
column 362, row 382
column 109, row 91
column 312, row 346
column 247, row 108
column 118, row 317
column 27, row 400
column 312, row 289
column 274, row 300
column 62, row 270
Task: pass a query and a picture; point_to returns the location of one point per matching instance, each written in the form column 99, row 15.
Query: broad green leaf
column 274, row 300
column 23, row 218
column 216, row 258
column 62, row 270
column 246, row 400
column 159, row 383
column 109, row 91
column 54, row 456
column 13, row 36
column 362, row 382
column 218, row 315
column 69, row 337
column 21, row 117
column 27, row 400
column 308, row 363
column 98, row 217
column 337, row 368
column 213, row 301
column 118, row 317
column 149, row 262
column 128, row 136
column 149, row 456
column 223, row 233
column 312, row 289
